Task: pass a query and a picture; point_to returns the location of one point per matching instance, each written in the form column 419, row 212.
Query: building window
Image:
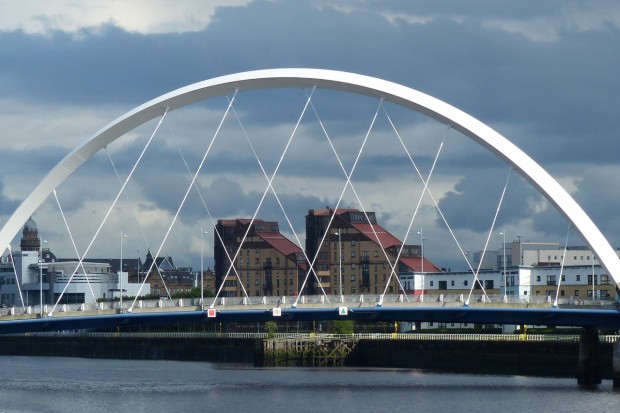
column 576, row 293
column 352, row 254
column 353, row 243
column 452, row 283
column 465, row 282
column 431, row 283
column 538, row 278
column 563, row 277
column 578, row 277
column 551, row 280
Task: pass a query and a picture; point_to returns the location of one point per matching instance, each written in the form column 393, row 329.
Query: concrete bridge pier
column 616, row 365
column 589, row 364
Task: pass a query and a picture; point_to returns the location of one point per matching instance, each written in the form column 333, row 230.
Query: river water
column 50, row 384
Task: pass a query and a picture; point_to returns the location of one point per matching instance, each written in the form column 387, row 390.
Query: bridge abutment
column 589, row 363
column 616, row 365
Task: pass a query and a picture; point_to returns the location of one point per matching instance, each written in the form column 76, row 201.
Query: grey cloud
column 556, row 100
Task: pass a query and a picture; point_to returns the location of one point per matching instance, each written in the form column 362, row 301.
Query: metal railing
column 359, row 336
column 287, row 301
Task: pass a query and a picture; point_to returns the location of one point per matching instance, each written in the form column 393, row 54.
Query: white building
column 535, row 273
column 25, row 281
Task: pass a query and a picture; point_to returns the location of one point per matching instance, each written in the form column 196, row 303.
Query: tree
column 343, row 326
column 271, row 327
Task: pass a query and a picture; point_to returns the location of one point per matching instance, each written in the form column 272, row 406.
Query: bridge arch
column 335, row 80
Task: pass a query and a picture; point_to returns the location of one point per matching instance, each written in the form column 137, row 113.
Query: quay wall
column 559, row 359
column 213, row 349
column 527, row 358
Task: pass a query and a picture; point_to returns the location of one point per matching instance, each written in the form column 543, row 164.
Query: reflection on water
column 49, row 384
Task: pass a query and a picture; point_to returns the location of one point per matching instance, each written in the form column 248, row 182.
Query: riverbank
column 554, row 358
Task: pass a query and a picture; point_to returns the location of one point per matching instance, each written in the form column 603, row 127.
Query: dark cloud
column 474, row 201
column 554, row 98
column 7, row 205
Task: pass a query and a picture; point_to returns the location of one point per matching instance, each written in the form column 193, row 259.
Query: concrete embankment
column 547, row 358
column 559, row 359
column 213, row 349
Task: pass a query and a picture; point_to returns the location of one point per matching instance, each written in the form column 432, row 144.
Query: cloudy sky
column 543, row 74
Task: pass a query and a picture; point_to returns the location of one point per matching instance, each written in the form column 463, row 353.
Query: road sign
column 211, row 313
column 277, row 312
column 343, row 311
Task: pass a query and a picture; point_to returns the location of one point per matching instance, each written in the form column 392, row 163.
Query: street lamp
column 340, row 264
column 593, row 258
column 422, row 239
column 503, row 233
column 202, row 274
column 120, row 273
column 41, row 276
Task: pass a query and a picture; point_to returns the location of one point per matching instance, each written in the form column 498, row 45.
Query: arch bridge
column 311, row 80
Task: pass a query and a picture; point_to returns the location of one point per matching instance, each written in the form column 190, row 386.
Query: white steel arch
column 335, row 80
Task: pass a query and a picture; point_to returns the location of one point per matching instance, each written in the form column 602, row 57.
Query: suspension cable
column 197, row 188
column 555, row 302
column 350, row 184
column 118, row 195
column 486, row 244
column 347, row 175
column 424, row 181
column 81, row 264
column 189, row 188
column 19, row 288
column 146, row 243
column 288, row 143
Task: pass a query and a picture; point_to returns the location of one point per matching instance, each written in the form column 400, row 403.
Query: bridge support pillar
column 616, row 365
column 589, row 364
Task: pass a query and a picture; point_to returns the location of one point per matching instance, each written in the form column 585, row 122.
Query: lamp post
column 340, row 263
column 202, row 274
column 422, row 239
column 593, row 258
column 41, row 276
column 503, row 233
column 120, row 273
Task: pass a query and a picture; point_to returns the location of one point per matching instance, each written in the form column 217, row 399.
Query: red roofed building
column 368, row 254
column 264, row 260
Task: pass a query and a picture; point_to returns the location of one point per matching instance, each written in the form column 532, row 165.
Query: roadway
column 314, row 309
